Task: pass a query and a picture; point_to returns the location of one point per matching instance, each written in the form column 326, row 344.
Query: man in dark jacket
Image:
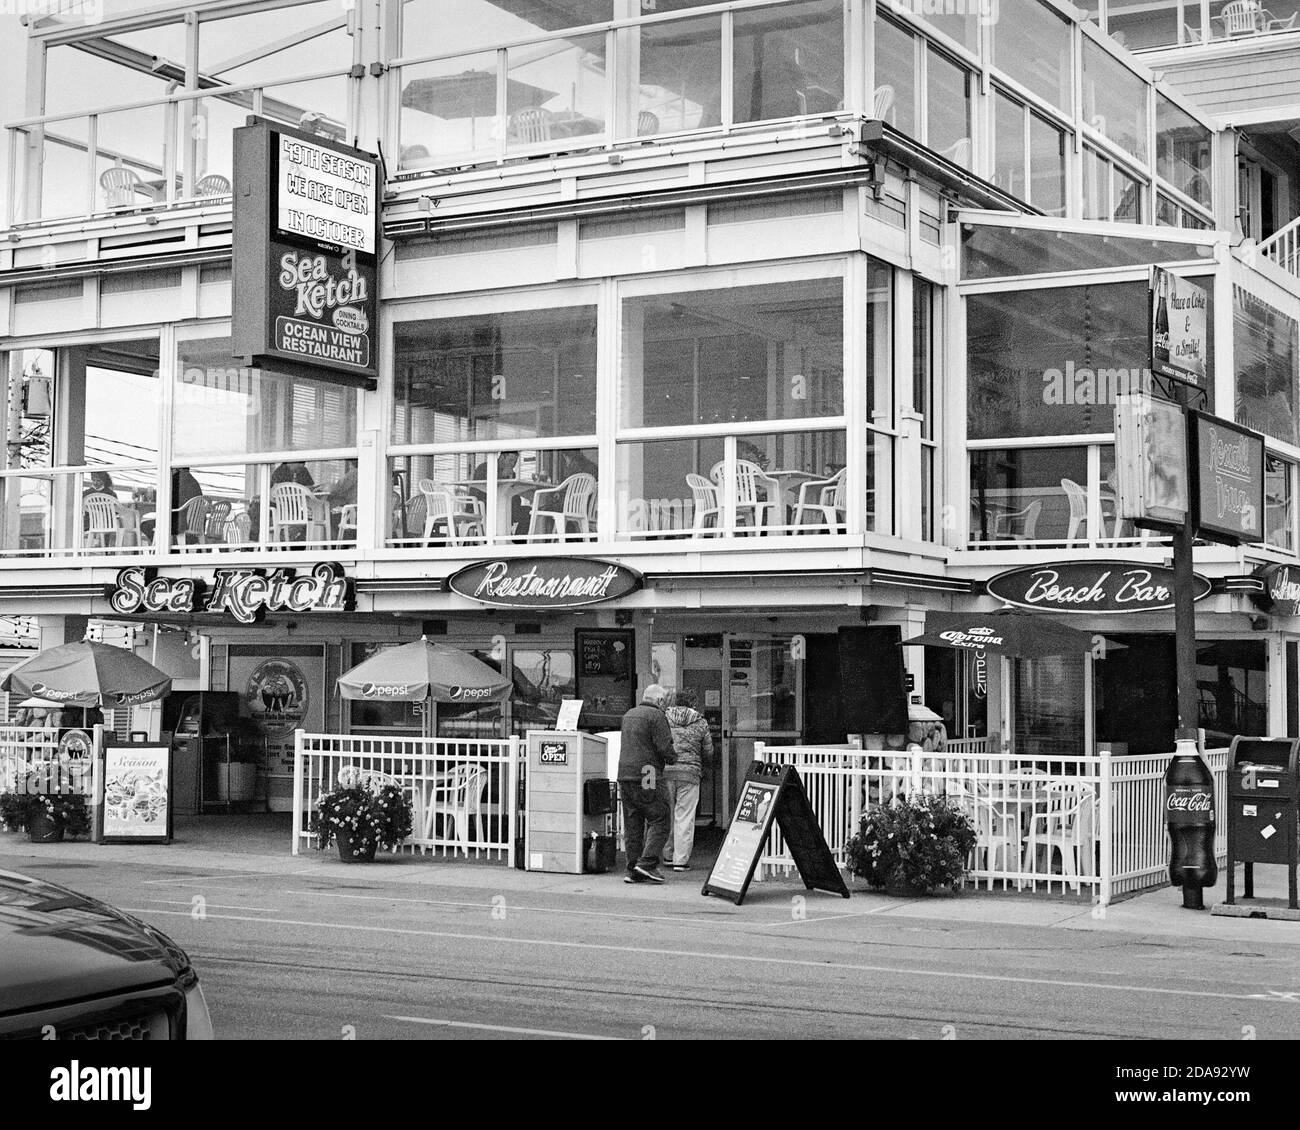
column 646, row 746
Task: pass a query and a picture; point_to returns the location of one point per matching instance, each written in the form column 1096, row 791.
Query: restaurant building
column 771, row 326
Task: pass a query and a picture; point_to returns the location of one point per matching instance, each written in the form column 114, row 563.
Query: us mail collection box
column 556, row 827
column 1263, row 809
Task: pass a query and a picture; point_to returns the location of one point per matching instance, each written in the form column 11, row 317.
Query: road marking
column 500, row 1028
column 537, row 909
column 217, row 905
column 752, row 959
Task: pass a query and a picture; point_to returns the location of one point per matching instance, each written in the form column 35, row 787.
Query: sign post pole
column 1185, row 614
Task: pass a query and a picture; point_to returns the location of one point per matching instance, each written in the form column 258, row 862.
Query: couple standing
column 661, row 760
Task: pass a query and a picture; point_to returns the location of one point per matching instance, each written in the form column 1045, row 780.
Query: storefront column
column 1278, row 674
column 913, row 625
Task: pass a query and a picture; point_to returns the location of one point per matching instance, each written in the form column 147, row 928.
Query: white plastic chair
column 706, row 504
column 828, row 509
column 458, row 797
column 1018, row 525
column 884, row 102
column 1068, row 826
column 530, row 125
column 122, row 187
column 214, row 184
column 1078, row 498
column 569, row 502
column 348, row 521
column 757, row 495
column 104, row 520
column 647, row 123
column 293, row 507
column 959, row 152
column 192, row 522
column 1241, row 17
column 997, row 835
column 461, row 515
column 1276, row 23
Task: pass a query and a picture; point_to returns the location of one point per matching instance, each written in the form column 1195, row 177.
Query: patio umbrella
column 88, row 674
column 1028, row 635
column 424, row 672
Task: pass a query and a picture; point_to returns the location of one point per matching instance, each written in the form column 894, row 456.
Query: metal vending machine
column 560, row 807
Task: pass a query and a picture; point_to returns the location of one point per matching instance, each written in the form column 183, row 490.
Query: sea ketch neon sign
column 244, row 594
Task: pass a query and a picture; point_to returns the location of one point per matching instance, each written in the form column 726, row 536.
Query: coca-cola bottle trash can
column 1189, row 814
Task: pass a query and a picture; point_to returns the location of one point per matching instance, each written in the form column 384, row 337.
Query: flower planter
column 904, row 891
column 42, row 830
column 355, row 850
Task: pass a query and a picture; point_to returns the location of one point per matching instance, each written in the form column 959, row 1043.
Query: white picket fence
column 464, row 792
column 1087, row 824
column 22, row 747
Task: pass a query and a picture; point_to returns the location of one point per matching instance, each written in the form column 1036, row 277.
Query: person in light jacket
column 693, row 744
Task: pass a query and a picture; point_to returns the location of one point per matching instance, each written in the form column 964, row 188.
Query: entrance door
column 762, row 695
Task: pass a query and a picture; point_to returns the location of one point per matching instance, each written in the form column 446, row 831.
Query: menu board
column 1230, row 481
column 773, row 793
column 606, row 675
column 136, row 800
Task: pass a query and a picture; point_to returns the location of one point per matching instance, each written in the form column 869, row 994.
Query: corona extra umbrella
column 425, row 672
column 1027, row 635
column 88, row 674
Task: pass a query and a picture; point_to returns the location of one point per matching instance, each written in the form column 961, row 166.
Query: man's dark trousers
column 647, row 819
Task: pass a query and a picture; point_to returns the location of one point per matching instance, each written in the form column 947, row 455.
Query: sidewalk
column 259, row 846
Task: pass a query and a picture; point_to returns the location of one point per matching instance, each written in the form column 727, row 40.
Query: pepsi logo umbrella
column 88, row 674
column 420, row 671
column 1026, row 635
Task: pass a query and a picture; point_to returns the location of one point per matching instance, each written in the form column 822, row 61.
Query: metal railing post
column 512, row 804
column 1106, row 822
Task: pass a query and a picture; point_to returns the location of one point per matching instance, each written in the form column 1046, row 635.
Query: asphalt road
column 297, row 956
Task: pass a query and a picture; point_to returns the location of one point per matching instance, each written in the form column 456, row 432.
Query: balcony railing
column 156, row 153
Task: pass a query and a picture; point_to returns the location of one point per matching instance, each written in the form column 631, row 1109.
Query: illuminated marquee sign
column 544, row 582
column 245, row 594
column 1091, row 586
column 306, row 226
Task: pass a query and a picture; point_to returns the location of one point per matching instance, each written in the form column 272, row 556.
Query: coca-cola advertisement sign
column 1186, row 804
column 1091, row 586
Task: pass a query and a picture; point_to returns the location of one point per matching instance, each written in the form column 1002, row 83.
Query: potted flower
column 915, row 845
column 362, row 815
column 42, row 801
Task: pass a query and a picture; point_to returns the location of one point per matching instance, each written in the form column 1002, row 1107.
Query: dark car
column 75, row 968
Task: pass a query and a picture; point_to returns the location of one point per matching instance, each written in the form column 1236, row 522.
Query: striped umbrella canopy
column 88, row 674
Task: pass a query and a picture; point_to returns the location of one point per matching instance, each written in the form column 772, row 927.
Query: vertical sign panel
column 1230, row 481
column 1178, row 328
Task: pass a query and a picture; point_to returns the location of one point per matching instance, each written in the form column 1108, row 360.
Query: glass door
column 762, row 694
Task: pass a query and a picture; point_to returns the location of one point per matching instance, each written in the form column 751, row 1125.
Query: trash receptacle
column 560, row 833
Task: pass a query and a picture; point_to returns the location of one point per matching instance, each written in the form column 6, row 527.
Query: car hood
column 57, row 945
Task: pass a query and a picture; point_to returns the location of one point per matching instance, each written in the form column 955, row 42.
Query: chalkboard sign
column 773, row 793
column 606, row 675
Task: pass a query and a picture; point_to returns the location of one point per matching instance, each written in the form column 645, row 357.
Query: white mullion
column 727, row 72
column 608, row 394
column 855, row 395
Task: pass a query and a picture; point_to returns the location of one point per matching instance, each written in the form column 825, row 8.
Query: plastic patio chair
column 1018, row 525
column 757, row 495
column 103, row 521
column 192, row 522
column 1241, row 17
column 568, row 502
column 707, row 504
column 1078, row 498
column 647, row 123
column 824, row 499
column 122, row 187
column 458, row 797
column 883, row 103
column 214, row 522
column 530, row 125
column 1067, row 825
column 461, row 515
column 293, row 507
column 214, row 184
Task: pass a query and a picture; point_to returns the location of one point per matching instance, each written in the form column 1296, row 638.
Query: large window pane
column 1266, row 345
column 449, row 107
column 111, row 397
column 1048, row 706
column 556, row 91
column 1114, row 100
column 1183, row 151
column 222, row 408
column 960, row 22
column 773, row 352
column 79, row 77
column 1279, row 517
column 1032, row 45
column 1150, row 23
column 679, row 80
column 948, row 105
column 895, row 93
column 788, row 60
column 495, row 376
column 1046, row 166
column 1009, row 136
column 1051, row 362
column 1018, row 495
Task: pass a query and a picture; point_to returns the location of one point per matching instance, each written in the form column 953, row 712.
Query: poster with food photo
column 137, row 784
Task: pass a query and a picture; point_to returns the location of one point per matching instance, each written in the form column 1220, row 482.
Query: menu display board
column 773, row 793
column 606, row 675
column 1230, row 481
column 135, row 804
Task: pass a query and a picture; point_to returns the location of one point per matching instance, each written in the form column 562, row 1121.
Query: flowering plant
column 366, row 812
column 47, row 788
column 921, row 842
